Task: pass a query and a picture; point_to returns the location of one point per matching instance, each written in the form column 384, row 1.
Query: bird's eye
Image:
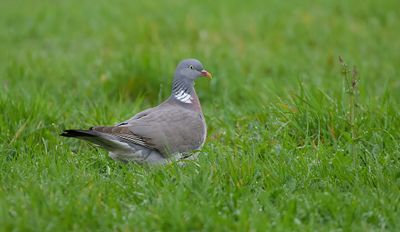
column 191, row 66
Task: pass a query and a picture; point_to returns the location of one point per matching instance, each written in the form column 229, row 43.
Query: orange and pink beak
column 205, row 73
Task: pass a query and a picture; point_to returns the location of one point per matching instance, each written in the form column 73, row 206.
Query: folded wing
column 168, row 130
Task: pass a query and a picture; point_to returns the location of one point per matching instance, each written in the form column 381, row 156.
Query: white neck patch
column 184, row 97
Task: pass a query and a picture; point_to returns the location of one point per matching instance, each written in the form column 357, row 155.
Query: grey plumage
column 158, row 134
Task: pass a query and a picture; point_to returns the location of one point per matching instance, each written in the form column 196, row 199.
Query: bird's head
column 191, row 69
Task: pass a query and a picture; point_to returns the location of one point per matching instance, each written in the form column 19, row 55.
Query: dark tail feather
column 107, row 141
column 77, row 133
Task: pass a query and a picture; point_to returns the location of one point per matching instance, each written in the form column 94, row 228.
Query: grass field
column 291, row 145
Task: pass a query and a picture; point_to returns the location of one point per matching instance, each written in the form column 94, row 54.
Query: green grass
column 283, row 151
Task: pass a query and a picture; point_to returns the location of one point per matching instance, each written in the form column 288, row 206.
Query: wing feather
column 169, row 130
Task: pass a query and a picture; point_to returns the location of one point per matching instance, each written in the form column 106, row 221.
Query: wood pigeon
column 157, row 135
